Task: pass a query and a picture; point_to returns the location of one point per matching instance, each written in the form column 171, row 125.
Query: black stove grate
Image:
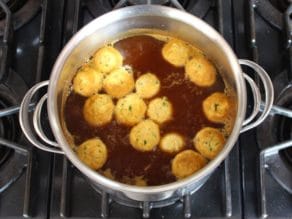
column 20, row 184
column 21, row 10
column 13, row 6
column 8, row 125
column 50, row 187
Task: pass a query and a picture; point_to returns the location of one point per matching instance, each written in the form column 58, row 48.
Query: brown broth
column 143, row 53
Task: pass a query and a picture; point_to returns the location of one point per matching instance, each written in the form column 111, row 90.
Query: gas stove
column 253, row 182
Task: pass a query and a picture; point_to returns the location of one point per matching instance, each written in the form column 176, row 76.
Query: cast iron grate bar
column 28, row 186
column 76, row 16
column 227, row 189
column 105, row 203
column 18, row 149
column 227, row 184
column 187, row 206
column 65, row 188
column 41, row 49
column 220, row 16
column 252, row 33
column 288, row 29
column 146, row 207
column 15, row 146
column 27, row 189
column 7, row 38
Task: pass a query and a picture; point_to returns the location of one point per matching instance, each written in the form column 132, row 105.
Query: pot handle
column 50, row 146
column 248, row 123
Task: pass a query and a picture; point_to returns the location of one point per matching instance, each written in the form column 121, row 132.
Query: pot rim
column 134, row 11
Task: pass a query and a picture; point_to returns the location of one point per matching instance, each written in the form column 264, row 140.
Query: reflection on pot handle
column 268, row 91
column 50, row 146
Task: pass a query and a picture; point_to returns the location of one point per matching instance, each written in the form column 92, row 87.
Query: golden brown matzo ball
column 186, row 163
column 176, row 52
column 130, row 110
column 147, row 85
column 145, row 135
column 201, row 71
column 209, row 142
column 216, row 107
column 160, row 110
column 98, row 109
column 172, row 143
column 107, row 59
column 93, row 153
column 87, row 81
column 119, row 83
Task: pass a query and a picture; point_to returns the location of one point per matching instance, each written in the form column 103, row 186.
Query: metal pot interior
column 129, row 20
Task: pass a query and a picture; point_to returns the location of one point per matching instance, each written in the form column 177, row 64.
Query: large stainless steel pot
column 107, row 28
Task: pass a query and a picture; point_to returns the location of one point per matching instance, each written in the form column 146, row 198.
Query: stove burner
column 8, row 125
column 272, row 11
column 145, row 206
column 22, row 12
column 274, row 130
column 288, row 153
column 197, row 7
column 12, row 164
column 13, row 5
column 4, row 154
column 285, row 128
column 281, row 5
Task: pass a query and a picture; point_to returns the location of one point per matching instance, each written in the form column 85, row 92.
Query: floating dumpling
column 93, row 153
column 147, row 85
column 87, row 81
column 176, row 52
column 119, row 83
column 172, row 143
column 216, row 107
column 160, row 110
column 209, row 142
column 145, row 135
column 107, row 59
column 201, row 71
column 130, row 110
column 186, row 163
column 98, row 109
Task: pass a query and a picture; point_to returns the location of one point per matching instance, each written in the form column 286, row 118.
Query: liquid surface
column 143, row 54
